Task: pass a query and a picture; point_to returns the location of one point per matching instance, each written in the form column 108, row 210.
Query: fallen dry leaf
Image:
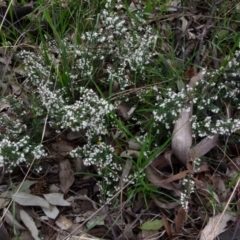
column 30, row 224
column 62, row 147
column 130, row 154
column 63, row 223
column 52, row 212
column 149, row 235
column 216, row 226
column 167, row 205
column 11, row 220
column 204, row 146
column 123, row 111
column 156, row 178
column 127, row 233
column 66, row 175
column 182, row 136
column 4, row 104
column 56, row 199
column 27, row 199
column 126, row 170
column 74, row 135
column 16, row 88
column 180, row 219
column 134, row 145
column 182, row 132
column 24, row 235
column 195, row 78
column 3, row 232
column 167, row 226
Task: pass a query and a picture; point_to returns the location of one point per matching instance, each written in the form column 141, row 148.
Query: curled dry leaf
column 216, row 226
column 156, row 178
column 184, row 23
column 204, row 146
column 182, row 136
column 30, row 224
column 27, row 199
column 66, row 175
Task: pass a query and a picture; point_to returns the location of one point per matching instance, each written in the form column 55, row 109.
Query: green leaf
column 152, row 225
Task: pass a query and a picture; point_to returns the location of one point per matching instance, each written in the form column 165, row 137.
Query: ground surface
column 119, row 119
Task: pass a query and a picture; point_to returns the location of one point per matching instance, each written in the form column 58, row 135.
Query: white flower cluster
column 12, row 153
column 16, row 145
column 210, row 97
column 168, row 108
column 37, row 70
column 188, row 186
column 88, row 113
column 11, row 128
column 117, row 45
column 196, row 164
column 126, row 47
column 101, row 156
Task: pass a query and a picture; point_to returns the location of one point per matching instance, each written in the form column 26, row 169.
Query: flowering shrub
column 210, row 97
column 127, row 53
column 61, row 76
